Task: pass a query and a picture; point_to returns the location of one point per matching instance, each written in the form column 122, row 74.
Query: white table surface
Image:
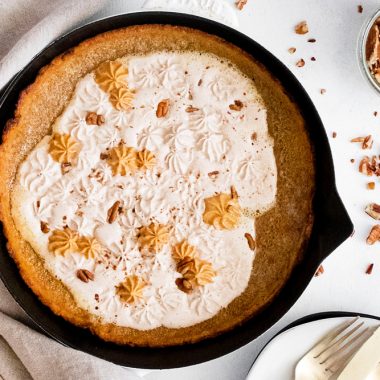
column 346, row 108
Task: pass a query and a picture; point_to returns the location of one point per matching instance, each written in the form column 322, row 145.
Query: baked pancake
column 157, row 186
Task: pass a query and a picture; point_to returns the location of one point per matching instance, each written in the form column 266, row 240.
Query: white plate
column 280, row 356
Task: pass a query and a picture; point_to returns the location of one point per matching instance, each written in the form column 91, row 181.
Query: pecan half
column 85, row 275
column 163, row 108
column 44, row 227
column 251, row 241
column 374, row 235
column 113, row 212
column 184, row 285
column 373, row 210
column 92, row 118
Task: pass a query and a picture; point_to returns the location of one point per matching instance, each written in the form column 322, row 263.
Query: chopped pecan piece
column 300, row 63
column 367, row 141
column 374, row 235
column 373, row 210
column 65, row 167
column 301, row 28
column 213, row 174
column 319, row 271
column 113, row 212
column 237, row 106
column 292, row 50
column 251, row 241
column 85, row 275
column 369, row 269
column 234, row 193
column 191, row 109
column 162, row 108
column 44, row 227
column 240, row 4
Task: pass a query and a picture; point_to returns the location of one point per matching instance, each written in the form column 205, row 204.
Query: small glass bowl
column 362, row 51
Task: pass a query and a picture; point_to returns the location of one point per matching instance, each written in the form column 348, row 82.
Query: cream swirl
column 39, row 172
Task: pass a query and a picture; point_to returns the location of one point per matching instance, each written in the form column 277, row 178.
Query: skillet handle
column 336, row 226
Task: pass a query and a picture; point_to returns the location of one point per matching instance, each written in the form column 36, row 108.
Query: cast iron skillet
column 332, row 224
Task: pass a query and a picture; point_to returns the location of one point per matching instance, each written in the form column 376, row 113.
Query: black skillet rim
column 332, row 224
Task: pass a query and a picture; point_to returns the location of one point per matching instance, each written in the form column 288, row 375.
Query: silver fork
column 333, row 352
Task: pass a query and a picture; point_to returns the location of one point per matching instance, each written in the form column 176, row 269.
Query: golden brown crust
column 281, row 232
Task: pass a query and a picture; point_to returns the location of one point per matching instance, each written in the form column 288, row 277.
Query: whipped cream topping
column 199, row 153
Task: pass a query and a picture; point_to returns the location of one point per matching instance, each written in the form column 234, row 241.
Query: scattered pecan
column 371, row 185
column 311, row 40
column 85, row 275
column 301, row 28
column 200, row 82
column 334, row 135
column 323, row 91
column 190, row 95
column 374, row 235
column 213, row 174
column 163, row 108
column 191, row 109
column 184, row 285
column 234, row 193
column 367, row 141
column 254, row 136
column 44, row 227
column 319, row 271
column 237, row 106
column 313, row 59
column 375, row 113
column 240, row 4
column 251, row 241
column 292, row 50
column 103, row 156
column 373, row 210
column 113, row 212
column 370, row 166
column 65, row 167
column 360, row 8
column 300, row 63
column 369, row 269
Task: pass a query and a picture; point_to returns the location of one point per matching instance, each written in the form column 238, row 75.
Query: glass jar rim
column 362, row 50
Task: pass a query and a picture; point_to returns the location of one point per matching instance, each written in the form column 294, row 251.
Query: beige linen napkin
column 26, row 27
